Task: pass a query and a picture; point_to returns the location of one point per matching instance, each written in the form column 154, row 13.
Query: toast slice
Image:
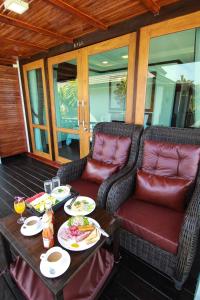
column 93, row 237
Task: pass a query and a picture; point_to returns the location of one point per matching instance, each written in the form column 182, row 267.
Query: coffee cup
column 32, row 223
column 53, row 259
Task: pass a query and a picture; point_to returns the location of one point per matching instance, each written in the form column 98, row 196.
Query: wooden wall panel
column 12, row 131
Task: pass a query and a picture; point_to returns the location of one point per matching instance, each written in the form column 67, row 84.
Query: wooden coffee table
column 30, row 248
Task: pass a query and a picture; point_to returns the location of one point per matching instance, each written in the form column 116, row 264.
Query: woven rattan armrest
column 72, row 170
column 188, row 238
column 120, row 191
column 107, row 184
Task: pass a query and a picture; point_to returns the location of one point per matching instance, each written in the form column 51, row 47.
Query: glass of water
column 55, row 182
column 48, row 186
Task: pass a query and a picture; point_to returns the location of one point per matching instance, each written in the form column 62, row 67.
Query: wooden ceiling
column 48, row 23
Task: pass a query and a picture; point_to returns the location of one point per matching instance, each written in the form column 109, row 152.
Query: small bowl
column 61, row 192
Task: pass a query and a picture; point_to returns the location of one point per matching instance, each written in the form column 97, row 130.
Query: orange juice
column 19, row 207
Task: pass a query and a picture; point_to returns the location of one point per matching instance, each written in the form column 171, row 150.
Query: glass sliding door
column 109, row 74
column 35, row 88
column 173, row 84
column 64, row 74
column 88, row 86
column 168, row 80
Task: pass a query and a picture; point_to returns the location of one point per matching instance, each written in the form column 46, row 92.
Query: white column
column 23, row 106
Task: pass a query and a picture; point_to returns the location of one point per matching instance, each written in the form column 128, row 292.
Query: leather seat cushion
column 172, row 160
column 156, row 224
column 84, row 285
column 98, row 171
column 162, row 190
column 85, row 187
column 111, row 149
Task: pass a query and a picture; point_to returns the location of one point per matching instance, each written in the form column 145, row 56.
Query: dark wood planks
column 137, row 280
column 21, row 176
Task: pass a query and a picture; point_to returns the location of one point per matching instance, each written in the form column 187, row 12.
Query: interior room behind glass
column 173, row 86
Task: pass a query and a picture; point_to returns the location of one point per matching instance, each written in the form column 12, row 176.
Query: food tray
column 55, row 207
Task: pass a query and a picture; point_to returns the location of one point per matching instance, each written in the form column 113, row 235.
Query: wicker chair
column 71, row 172
column 178, row 265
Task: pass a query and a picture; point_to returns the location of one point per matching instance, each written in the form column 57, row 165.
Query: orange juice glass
column 19, row 206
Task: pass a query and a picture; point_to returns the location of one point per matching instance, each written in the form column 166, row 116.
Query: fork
column 69, row 206
column 103, row 232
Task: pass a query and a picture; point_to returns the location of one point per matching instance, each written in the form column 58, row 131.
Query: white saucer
column 27, row 232
column 62, row 269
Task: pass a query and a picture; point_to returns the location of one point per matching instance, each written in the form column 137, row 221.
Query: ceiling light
column 18, row 6
column 124, row 56
column 105, row 62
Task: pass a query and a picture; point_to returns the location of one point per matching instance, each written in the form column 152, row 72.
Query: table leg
column 6, row 251
column 59, row 296
column 116, row 243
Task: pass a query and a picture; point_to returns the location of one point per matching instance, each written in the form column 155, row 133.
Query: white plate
column 27, row 232
column 62, row 195
column 73, row 212
column 82, row 244
column 58, row 272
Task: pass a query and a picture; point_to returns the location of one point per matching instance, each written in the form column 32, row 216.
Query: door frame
column 56, row 60
column 39, row 64
column 128, row 40
column 185, row 22
column 83, row 87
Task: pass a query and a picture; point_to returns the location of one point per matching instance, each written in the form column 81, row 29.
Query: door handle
column 84, row 126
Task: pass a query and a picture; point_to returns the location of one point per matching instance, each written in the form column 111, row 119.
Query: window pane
column 107, row 85
column 35, row 86
column 66, row 94
column 173, row 85
column 68, row 145
column 41, row 140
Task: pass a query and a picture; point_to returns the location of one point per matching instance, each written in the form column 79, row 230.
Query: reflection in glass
column 173, row 85
column 36, row 94
column 66, row 94
column 107, row 85
column 68, row 145
column 41, row 140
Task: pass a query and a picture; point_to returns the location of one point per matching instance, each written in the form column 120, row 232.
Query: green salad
column 77, row 221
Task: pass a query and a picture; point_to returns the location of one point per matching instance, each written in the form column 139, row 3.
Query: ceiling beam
column 22, row 43
column 79, row 13
column 24, row 25
column 151, row 5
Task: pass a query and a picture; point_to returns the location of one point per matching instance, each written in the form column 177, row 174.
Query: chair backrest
column 170, row 151
column 128, row 137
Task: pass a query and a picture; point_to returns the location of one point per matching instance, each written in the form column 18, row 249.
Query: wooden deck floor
column 134, row 280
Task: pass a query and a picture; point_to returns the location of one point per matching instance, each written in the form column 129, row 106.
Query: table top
column 30, row 248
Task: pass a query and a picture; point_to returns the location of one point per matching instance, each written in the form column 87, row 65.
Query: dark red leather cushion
column 156, row 224
column 172, row 160
column 111, row 149
column 85, row 187
column 84, row 285
column 162, row 190
column 98, row 171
